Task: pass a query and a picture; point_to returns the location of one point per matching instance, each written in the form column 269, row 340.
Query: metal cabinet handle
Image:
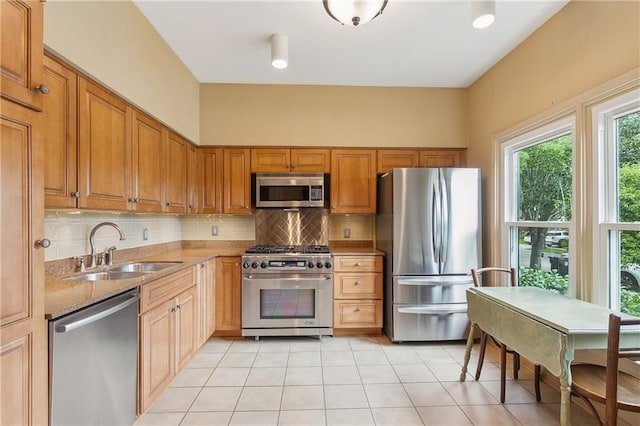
column 357, row 310
column 75, row 194
column 357, row 282
column 356, row 264
column 42, row 88
column 44, row 243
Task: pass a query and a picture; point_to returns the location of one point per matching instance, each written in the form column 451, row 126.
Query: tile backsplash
column 69, row 230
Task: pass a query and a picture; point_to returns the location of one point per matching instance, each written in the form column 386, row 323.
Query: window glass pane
column 628, row 135
column 543, row 258
column 630, row 272
column 544, row 180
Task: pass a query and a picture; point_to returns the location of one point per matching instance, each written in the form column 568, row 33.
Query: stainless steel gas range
column 287, row 290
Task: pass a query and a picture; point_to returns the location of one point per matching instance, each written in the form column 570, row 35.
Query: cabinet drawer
column 163, row 289
column 357, row 286
column 357, row 314
column 357, row 263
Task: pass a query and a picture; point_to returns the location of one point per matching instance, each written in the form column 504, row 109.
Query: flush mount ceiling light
column 354, row 12
column 279, row 51
column 483, row 13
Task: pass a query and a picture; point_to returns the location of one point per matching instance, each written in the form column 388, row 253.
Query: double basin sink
column 124, row 271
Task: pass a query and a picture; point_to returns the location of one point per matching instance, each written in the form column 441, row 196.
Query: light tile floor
column 347, row 381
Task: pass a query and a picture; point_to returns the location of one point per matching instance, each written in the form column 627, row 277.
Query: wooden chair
column 607, row 385
column 510, row 274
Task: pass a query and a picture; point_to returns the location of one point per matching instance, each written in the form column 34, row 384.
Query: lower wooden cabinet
column 357, row 292
column 228, row 296
column 206, row 297
column 168, row 332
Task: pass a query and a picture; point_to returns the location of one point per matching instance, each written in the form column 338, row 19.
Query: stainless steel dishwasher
column 93, row 363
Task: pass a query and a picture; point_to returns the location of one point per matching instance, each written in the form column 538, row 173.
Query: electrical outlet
column 145, row 234
column 214, row 230
column 346, row 233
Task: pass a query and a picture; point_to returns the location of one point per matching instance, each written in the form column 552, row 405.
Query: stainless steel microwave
column 286, row 190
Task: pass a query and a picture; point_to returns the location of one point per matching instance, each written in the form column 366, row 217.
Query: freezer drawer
column 430, row 322
column 435, row 289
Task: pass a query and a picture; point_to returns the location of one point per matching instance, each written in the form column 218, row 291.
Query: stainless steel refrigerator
column 429, row 226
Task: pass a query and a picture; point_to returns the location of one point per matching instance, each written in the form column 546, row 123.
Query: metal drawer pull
column 432, row 283
column 356, row 264
column 356, row 283
column 432, row 311
column 357, row 310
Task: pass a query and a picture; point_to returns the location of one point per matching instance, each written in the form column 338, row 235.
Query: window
column 616, row 137
column 538, row 204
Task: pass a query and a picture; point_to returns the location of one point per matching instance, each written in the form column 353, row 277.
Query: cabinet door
column 357, row 314
column 206, row 299
column 236, row 181
column 192, row 178
column 353, row 181
column 23, row 340
column 176, row 174
column 21, row 28
column 228, row 295
column 443, row 158
column 104, row 149
column 390, row 158
column 186, row 323
column 60, row 131
column 210, row 180
column 147, row 160
column 157, row 348
column 270, row 160
column 308, row 160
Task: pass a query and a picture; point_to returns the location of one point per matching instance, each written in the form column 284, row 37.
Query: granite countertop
column 63, row 297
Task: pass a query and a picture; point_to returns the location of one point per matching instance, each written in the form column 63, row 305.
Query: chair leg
column 516, row 365
column 503, row 370
column 536, row 381
column 591, row 407
column 483, row 348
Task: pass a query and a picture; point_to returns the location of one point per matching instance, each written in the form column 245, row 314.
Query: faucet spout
column 92, row 237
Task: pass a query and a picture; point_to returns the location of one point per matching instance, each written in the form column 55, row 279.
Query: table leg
column 467, row 351
column 565, row 393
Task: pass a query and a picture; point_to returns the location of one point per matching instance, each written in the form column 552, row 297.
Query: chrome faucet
column 93, row 256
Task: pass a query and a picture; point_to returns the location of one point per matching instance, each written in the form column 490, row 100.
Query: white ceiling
column 414, row 43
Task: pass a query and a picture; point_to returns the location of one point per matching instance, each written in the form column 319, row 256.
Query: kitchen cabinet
column 23, row 341
column 21, row 28
column 192, row 178
column 176, row 174
column 147, row 161
column 353, row 181
column 210, row 180
column 206, row 296
column 443, row 158
column 104, row 149
column 357, row 292
column 236, row 181
column 299, row 160
column 168, row 328
column 390, row 158
column 228, row 297
column 59, row 124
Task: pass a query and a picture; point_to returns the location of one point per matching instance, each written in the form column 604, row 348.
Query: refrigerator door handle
column 444, row 230
column 425, row 310
column 433, row 283
column 436, row 224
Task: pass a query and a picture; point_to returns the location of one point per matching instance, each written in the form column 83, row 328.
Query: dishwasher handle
column 95, row 316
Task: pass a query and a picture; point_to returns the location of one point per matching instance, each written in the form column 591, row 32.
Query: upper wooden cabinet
column 390, row 158
column 192, row 179
column 353, row 181
column 104, row 149
column 21, row 28
column 59, row 125
column 210, row 180
column 236, row 181
column 303, row 160
column 176, row 174
column 147, row 161
column 443, row 158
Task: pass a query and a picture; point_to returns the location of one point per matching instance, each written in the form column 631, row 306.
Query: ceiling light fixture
column 354, row 12
column 483, row 13
column 279, row 51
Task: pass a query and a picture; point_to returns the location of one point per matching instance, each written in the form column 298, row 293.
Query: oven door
column 287, row 301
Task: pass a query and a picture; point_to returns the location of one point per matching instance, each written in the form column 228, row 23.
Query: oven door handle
column 272, row 278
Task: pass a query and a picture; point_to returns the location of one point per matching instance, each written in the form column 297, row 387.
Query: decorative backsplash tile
column 292, row 227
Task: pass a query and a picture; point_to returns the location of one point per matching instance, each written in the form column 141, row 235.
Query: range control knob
column 254, row 265
column 319, row 265
column 328, row 265
column 245, row 265
column 263, row 265
column 311, row 265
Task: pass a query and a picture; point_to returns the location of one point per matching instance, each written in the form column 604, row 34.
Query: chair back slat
column 509, row 273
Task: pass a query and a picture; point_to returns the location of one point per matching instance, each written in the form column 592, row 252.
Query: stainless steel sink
column 108, row 275
column 142, row 267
